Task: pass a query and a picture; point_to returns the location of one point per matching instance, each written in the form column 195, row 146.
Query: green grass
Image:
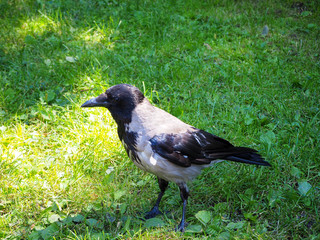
column 63, row 172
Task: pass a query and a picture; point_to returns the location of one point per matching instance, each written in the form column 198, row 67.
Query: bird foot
column 182, row 226
column 154, row 212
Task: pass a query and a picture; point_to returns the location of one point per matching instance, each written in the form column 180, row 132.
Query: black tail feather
column 238, row 154
column 249, row 158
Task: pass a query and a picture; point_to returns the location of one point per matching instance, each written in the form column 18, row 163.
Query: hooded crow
column 159, row 143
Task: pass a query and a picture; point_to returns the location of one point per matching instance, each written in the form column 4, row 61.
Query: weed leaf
column 295, row 172
column 194, row 228
column 53, row 218
column 204, row 216
column 50, row 231
column 119, row 194
column 304, row 188
column 78, row 218
column 237, row 225
column 71, row 59
column 154, row 222
column 268, row 138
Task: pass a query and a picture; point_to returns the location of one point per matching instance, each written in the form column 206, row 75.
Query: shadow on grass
column 49, row 49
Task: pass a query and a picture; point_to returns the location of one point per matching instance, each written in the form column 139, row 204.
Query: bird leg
column 163, row 184
column 184, row 194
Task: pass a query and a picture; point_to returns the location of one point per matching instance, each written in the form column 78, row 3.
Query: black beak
column 100, row 101
column 91, row 103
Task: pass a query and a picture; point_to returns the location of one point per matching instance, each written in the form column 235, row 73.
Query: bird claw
column 154, row 212
column 182, row 227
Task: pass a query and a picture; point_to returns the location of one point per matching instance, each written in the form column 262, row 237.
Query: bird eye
column 113, row 98
column 109, row 96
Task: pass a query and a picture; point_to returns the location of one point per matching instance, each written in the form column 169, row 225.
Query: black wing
column 200, row 147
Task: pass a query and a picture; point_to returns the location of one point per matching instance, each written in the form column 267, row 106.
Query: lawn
column 247, row 71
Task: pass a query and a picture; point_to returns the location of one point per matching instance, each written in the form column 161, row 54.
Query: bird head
column 120, row 100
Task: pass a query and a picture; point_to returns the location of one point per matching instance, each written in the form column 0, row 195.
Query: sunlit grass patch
column 46, row 160
column 39, row 25
column 105, row 35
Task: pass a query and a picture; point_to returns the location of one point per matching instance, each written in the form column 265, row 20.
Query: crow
column 161, row 144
